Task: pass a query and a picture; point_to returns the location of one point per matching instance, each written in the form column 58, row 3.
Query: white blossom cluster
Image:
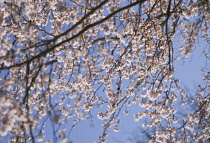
column 62, row 62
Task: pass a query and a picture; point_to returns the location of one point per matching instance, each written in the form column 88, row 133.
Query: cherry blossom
column 62, row 62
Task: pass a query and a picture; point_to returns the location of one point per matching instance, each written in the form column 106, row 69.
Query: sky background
column 190, row 76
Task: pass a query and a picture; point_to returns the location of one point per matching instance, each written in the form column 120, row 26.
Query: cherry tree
column 66, row 60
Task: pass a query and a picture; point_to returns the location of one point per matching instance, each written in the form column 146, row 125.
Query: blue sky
column 190, row 75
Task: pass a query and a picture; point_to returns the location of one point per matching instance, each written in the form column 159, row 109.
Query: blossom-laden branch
column 64, row 60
